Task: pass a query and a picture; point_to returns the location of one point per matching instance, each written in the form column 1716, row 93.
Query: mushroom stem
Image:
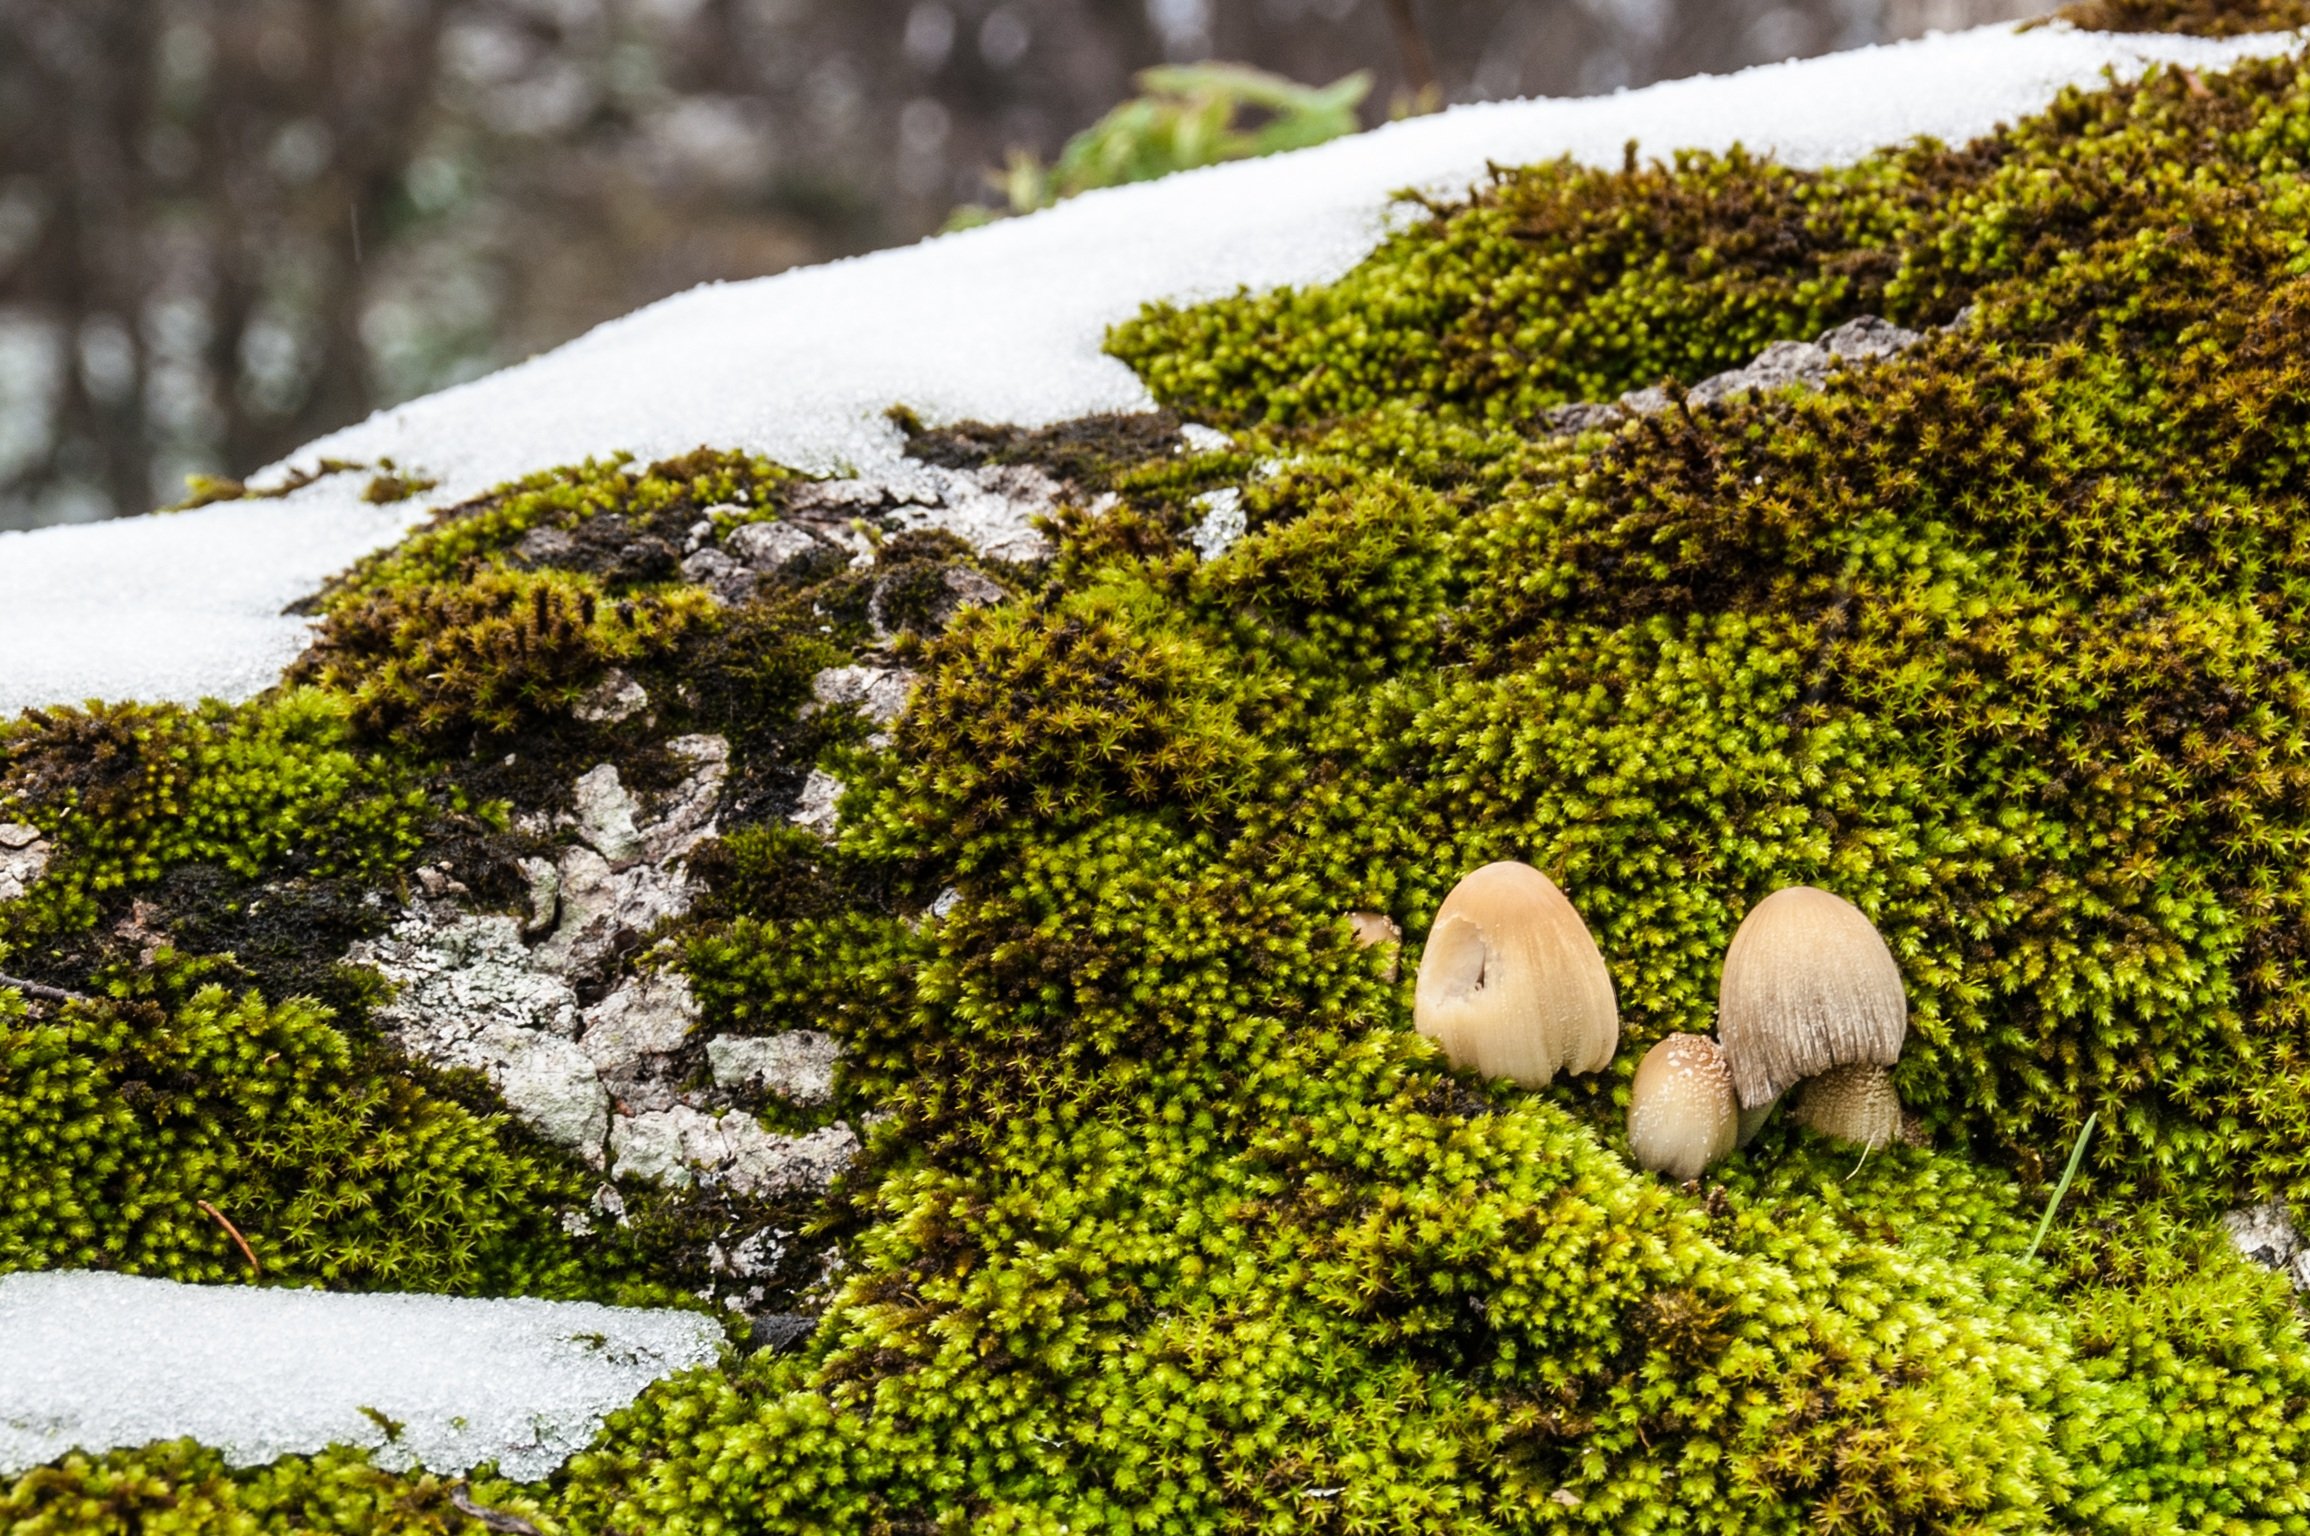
column 1753, row 1121
column 1854, row 1103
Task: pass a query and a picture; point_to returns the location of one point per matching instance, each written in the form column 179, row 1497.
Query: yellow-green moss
column 1176, row 1225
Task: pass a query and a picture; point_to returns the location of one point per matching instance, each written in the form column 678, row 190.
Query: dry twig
column 235, row 1233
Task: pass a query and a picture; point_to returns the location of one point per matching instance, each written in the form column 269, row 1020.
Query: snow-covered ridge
column 1001, row 324
column 96, row 1361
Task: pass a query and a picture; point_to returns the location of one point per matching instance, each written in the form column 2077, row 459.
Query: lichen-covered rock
column 681, row 1145
column 819, row 809
column 23, row 858
column 630, row 1035
column 877, row 693
column 458, row 974
column 2266, row 1234
column 796, row 1065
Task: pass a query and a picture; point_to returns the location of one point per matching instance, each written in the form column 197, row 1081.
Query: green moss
column 1174, row 1224
column 483, row 655
column 118, row 1119
column 2204, row 18
column 129, row 791
column 179, row 1489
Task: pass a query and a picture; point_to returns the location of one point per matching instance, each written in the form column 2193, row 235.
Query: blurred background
column 227, row 226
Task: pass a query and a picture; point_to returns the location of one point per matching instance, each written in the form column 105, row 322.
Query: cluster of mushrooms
column 1511, row 985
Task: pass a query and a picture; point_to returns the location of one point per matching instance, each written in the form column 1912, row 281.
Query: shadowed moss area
column 2205, row 18
column 1174, row 1225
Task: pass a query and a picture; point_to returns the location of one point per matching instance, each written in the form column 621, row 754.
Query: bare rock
column 819, row 810
column 24, row 856
column 622, row 880
column 772, row 548
column 469, row 995
column 604, row 910
column 719, row 573
column 615, row 698
column 1582, row 416
column 685, row 816
column 753, row 1256
column 681, row 1146
column 458, row 976
column 608, row 817
column 630, row 1034
column 766, row 1163
column 544, row 878
column 992, row 507
column 1781, row 365
column 1867, row 337
column 2267, row 1235
column 878, row 693
column 548, row 1083
column 797, row 1065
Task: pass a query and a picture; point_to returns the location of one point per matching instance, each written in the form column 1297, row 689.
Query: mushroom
column 1511, row 984
column 1682, row 1114
column 1854, row 1103
column 1809, row 987
column 1377, row 929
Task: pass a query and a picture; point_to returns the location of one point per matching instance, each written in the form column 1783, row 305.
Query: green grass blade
column 2076, row 1156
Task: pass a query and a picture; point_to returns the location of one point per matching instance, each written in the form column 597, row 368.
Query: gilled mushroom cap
column 1511, row 984
column 1682, row 1115
column 1808, row 985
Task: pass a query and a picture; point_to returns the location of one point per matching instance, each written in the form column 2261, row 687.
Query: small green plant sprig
column 1185, row 115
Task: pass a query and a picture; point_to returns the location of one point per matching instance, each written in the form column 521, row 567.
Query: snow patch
column 1002, row 323
column 98, row 1361
column 1222, row 524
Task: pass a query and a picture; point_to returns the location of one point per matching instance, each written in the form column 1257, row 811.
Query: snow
column 98, row 1361
column 1002, row 323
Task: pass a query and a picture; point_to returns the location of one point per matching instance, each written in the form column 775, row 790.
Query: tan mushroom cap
column 1510, row 982
column 1808, row 985
column 1378, row 930
column 1682, row 1115
column 1855, row 1103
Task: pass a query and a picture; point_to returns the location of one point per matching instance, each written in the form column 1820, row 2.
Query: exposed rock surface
column 622, row 877
column 1782, row 365
column 818, row 810
column 797, row 1065
column 617, row 698
column 2266, row 1234
column 631, row 1036
column 878, row 693
column 680, row 1145
column 23, row 858
column 623, row 1081
column 991, row 507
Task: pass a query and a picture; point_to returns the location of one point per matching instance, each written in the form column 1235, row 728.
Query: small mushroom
column 1682, row 1115
column 1808, row 987
column 1511, row 984
column 1377, row 929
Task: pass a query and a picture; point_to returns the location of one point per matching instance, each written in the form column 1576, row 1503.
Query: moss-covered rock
column 1167, row 1220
